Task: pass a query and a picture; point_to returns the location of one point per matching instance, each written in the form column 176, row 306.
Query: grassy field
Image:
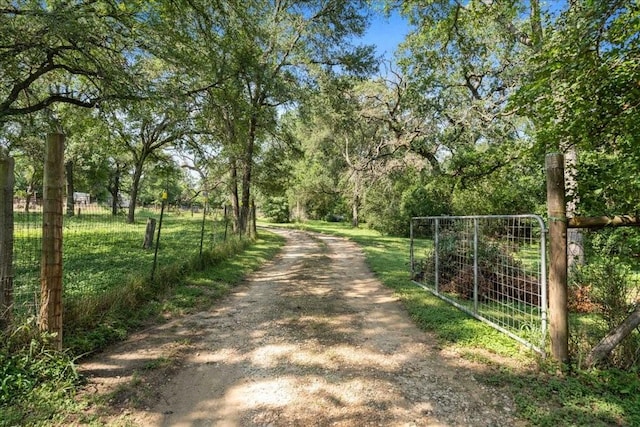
column 101, row 251
column 545, row 394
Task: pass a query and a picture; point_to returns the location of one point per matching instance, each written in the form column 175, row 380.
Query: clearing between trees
column 311, row 339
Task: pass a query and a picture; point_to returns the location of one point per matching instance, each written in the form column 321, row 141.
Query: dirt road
column 312, row 339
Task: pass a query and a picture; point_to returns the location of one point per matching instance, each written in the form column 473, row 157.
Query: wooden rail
column 603, row 221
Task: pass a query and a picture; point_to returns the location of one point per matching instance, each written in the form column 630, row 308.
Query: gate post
column 558, row 312
column 51, row 264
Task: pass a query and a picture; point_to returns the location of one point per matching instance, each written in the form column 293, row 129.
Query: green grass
column 36, row 383
column 544, row 394
column 101, row 251
column 106, row 270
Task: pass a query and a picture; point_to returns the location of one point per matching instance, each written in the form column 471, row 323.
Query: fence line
column 492, row 267
column 102, row 250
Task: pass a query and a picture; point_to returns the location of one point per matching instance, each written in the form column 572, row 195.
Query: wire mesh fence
column 492, row 267
column 101, row 250
column 27, row 246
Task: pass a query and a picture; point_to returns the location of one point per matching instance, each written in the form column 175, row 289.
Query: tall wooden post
column 51, row 265
column 6, row 239
column 558, row 312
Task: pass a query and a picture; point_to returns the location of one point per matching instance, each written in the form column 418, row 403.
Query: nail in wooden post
column 558, row 312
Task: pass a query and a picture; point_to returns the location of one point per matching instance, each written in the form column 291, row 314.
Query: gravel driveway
column 311, row 339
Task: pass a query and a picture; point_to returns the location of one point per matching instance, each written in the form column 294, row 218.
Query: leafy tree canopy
column 65, row 52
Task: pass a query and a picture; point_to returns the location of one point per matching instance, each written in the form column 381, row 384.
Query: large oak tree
column 64, row 52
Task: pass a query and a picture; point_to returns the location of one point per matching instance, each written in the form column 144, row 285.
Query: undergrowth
column 36, row 382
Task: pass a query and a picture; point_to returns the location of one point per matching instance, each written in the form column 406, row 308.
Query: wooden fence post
column 558, row 312
column 149, row 233
column 51, row 265
column 6, row 239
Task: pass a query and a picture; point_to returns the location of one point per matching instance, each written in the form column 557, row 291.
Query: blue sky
column 386, row 33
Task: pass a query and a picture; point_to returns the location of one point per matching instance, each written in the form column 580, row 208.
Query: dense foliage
column 276, row 100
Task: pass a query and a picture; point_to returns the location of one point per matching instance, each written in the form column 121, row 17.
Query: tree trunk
column 243, row 223
column 226, row 222
column 68, row 166
column 114, row 203
column 356, row 201
column 6, row 240
column 253, row 226
column 354, row 220
column 114, row 190
column 298, row 216
column 247, row 166
column 51, row 265
column 137, row 175
column 613, row 338
column 235, row 203
column 27, row 201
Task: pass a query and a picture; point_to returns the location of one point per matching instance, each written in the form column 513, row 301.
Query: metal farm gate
column 492, row 267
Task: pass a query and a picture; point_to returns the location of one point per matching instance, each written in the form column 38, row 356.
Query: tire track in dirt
column 313, row 339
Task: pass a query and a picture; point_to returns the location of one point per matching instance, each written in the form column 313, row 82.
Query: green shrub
column 390, row 211
column 333, row 218
column 276, row 209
